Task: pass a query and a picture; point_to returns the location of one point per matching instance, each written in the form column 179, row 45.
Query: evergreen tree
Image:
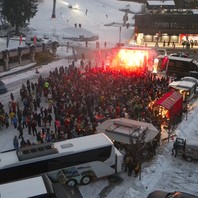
column 19, row 12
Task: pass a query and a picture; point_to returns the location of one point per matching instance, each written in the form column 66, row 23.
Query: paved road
column 90, row 52
column 94, row 54
column 192, row 52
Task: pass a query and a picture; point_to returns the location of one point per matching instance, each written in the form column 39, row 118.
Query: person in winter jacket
column 137, row 168
column 39, row 137
column 34, row 125
column 57, row 124
column 15, row 142
column 49, row 118
column 48, row 137
column 175, row 148
column 23, row 143
column 24, row 124
column 11, row 115
column 15, row 121
column 20, row 129
column 28, row 143
column 6, row 120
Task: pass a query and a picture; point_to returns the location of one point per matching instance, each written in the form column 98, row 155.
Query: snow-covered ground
column 164, row 171
column 100, row 13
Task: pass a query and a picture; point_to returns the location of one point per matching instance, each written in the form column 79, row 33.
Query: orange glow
column 156, row 62
column 132, row 58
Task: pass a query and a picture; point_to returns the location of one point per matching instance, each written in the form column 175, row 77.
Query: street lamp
column 120, row 34
column 54, row 9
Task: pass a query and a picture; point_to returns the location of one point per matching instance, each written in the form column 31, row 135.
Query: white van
column 37, row 40
column 185, row 88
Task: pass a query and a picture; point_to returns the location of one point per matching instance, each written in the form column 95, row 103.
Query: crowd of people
column 75, row 102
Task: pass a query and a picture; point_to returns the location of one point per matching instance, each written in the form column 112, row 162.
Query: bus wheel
column 86, row 180
column 71, row 182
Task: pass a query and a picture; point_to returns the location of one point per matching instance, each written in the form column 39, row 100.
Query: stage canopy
column 172, row 101
column 127, row 131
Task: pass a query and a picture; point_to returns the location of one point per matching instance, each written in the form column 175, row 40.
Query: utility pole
column 54, row 9
column 120, row 29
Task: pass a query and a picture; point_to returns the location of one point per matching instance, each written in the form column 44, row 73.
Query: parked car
column 3, row 88
column 31, row 39
column 193, row 74
column 164, row 194
column 190, row 79
column 161, row 51
column 191, row 150
column 188, row 148
column 180, row 54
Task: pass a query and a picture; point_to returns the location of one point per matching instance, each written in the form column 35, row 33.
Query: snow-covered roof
column 192, row 142
column 127, row 130
column 177, row 58
column 161, row 3
column 185, row 85
column 190, row 79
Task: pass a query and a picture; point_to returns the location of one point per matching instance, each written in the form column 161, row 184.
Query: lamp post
column 186, row 105
column 54, row 9
column 120, row 34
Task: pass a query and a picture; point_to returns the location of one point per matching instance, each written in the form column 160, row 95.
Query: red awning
column 172, row 101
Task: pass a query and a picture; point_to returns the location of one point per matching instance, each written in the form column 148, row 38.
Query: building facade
column 169, row 27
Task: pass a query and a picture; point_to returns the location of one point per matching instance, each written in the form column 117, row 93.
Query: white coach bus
column 37, row 187
column 74, row 161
